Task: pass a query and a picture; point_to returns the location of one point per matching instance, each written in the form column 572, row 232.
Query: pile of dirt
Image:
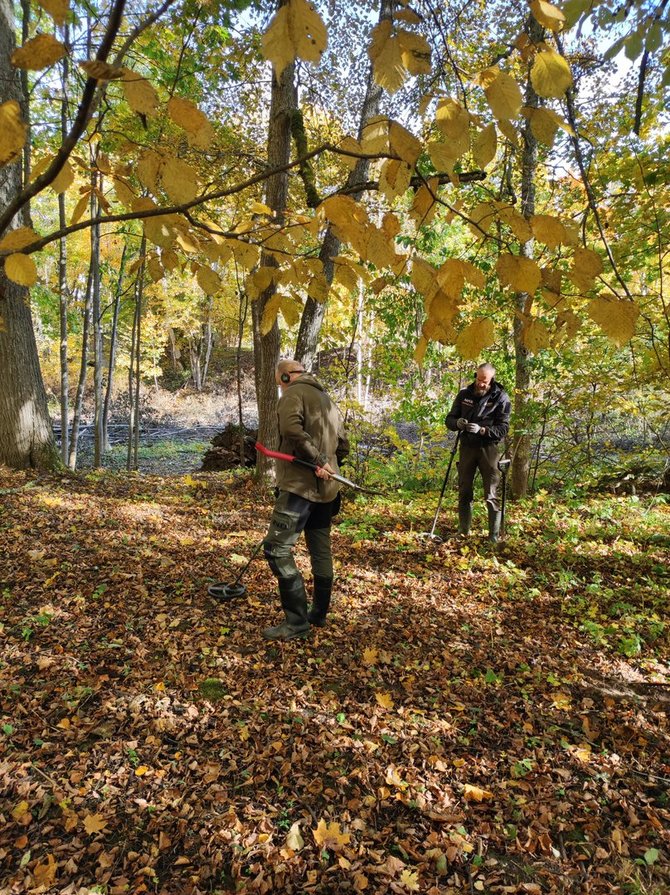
column 228, row 446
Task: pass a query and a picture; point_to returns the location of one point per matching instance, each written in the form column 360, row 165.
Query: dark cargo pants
column 485, row 459
column 292, row 515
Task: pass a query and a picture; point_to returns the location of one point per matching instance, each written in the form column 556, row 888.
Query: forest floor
column 473, row 719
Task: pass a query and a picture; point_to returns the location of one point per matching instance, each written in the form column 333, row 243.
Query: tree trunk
column 113, row 341
column 62, row 285
column 314, row 311
column 26, row 435
column 266, row 345
column 81, row 385
column 522, row 437
column 99, row 447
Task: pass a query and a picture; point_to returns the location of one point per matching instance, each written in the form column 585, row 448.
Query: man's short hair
column 487, row 368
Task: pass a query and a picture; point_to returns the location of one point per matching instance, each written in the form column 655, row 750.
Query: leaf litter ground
column 473, row 719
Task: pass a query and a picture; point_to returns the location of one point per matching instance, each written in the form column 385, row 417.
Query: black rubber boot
column 294, row 604
column 323, row 588
column 464, row 519
column 494, row 525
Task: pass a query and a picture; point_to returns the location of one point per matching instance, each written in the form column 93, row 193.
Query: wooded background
column 412, row 187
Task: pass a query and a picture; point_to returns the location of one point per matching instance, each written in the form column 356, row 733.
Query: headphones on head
column 286, row 377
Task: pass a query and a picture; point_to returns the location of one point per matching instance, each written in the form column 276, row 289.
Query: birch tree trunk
column 26, row 435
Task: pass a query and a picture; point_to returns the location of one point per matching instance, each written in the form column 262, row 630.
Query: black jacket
column 492, row 411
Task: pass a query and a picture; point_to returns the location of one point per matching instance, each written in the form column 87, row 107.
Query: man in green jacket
column 310, row 428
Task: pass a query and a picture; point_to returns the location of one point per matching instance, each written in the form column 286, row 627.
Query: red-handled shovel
column 289, row 458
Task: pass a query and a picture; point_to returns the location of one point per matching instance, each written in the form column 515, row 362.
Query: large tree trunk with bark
column 314, row 311
column 524, row 301
column 26, row 436
column 266, row 345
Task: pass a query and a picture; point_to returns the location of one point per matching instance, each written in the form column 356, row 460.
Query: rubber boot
column 464, row 518
column 323, row 588
column 494, row 524
column 294, row 604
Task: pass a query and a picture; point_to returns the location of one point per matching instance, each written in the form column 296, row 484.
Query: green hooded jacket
column 310, row 428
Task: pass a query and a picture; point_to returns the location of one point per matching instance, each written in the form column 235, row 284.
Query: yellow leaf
column 291, row 309
column 123, row 192
column 404, row 143
column 442, row 156
column 38, row 53
column 414, row 51
column 57, row 9
column 484, row 145
column 80, row 208
column 482, row 217
column 370, row 656
column 375, row 136
column 420, row 350
column 561, row 701
column 179, row 180
column 148, row 167
column 187, row 115
column 155, row 268
column 18, row 239
column 12, row 132
column 348, row 144
column 508, row 130
column 20, row 810
column 329, row 835
column 410, row 880
column 140, row 95
column 294, row 838
column 453, row 122
column 616, row 318
column 547, row 15
column 474, row 338
column 548, row 229
column 246, row 254
column 101, row 71
column 424, row 207
column 476, row 794
column 550, row 74
column 318, row 288
column 567, row 326
column 544, row 123
column 522, row 274
column 94, row 823
column 21, row 269
column 385, row 52
column 385, row 700
column 296, row 31
column 393, row 778
column 142, row 770
column 504, row 97
column 535, row 336
column 63, row 180
column 209, row 281
column 270, row 311
column 432, row 331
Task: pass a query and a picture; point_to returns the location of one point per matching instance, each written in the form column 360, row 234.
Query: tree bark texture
column 314, row 311
column 26, row 436
column 521, row 450
column 266, row 346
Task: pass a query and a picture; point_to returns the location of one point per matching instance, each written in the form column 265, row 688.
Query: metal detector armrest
column 504, row 465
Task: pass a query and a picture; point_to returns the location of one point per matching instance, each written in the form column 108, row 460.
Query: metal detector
column 224, row 592
column 503, row 466
column 431, row 534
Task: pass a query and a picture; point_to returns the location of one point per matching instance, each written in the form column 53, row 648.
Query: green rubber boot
column 294, row 604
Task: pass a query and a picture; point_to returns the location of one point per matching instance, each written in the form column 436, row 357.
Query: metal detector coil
column 226, row 592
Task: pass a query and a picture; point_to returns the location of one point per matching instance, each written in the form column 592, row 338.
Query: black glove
column 473, row 428
column 461, row 423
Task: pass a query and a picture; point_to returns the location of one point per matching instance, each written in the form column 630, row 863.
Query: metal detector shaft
column 251, row 558
column 289, row 458
column 444, row 484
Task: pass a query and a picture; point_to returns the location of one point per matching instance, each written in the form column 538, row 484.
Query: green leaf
column 651, row 856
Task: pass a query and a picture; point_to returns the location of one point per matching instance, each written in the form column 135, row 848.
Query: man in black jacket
column 481, row 414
